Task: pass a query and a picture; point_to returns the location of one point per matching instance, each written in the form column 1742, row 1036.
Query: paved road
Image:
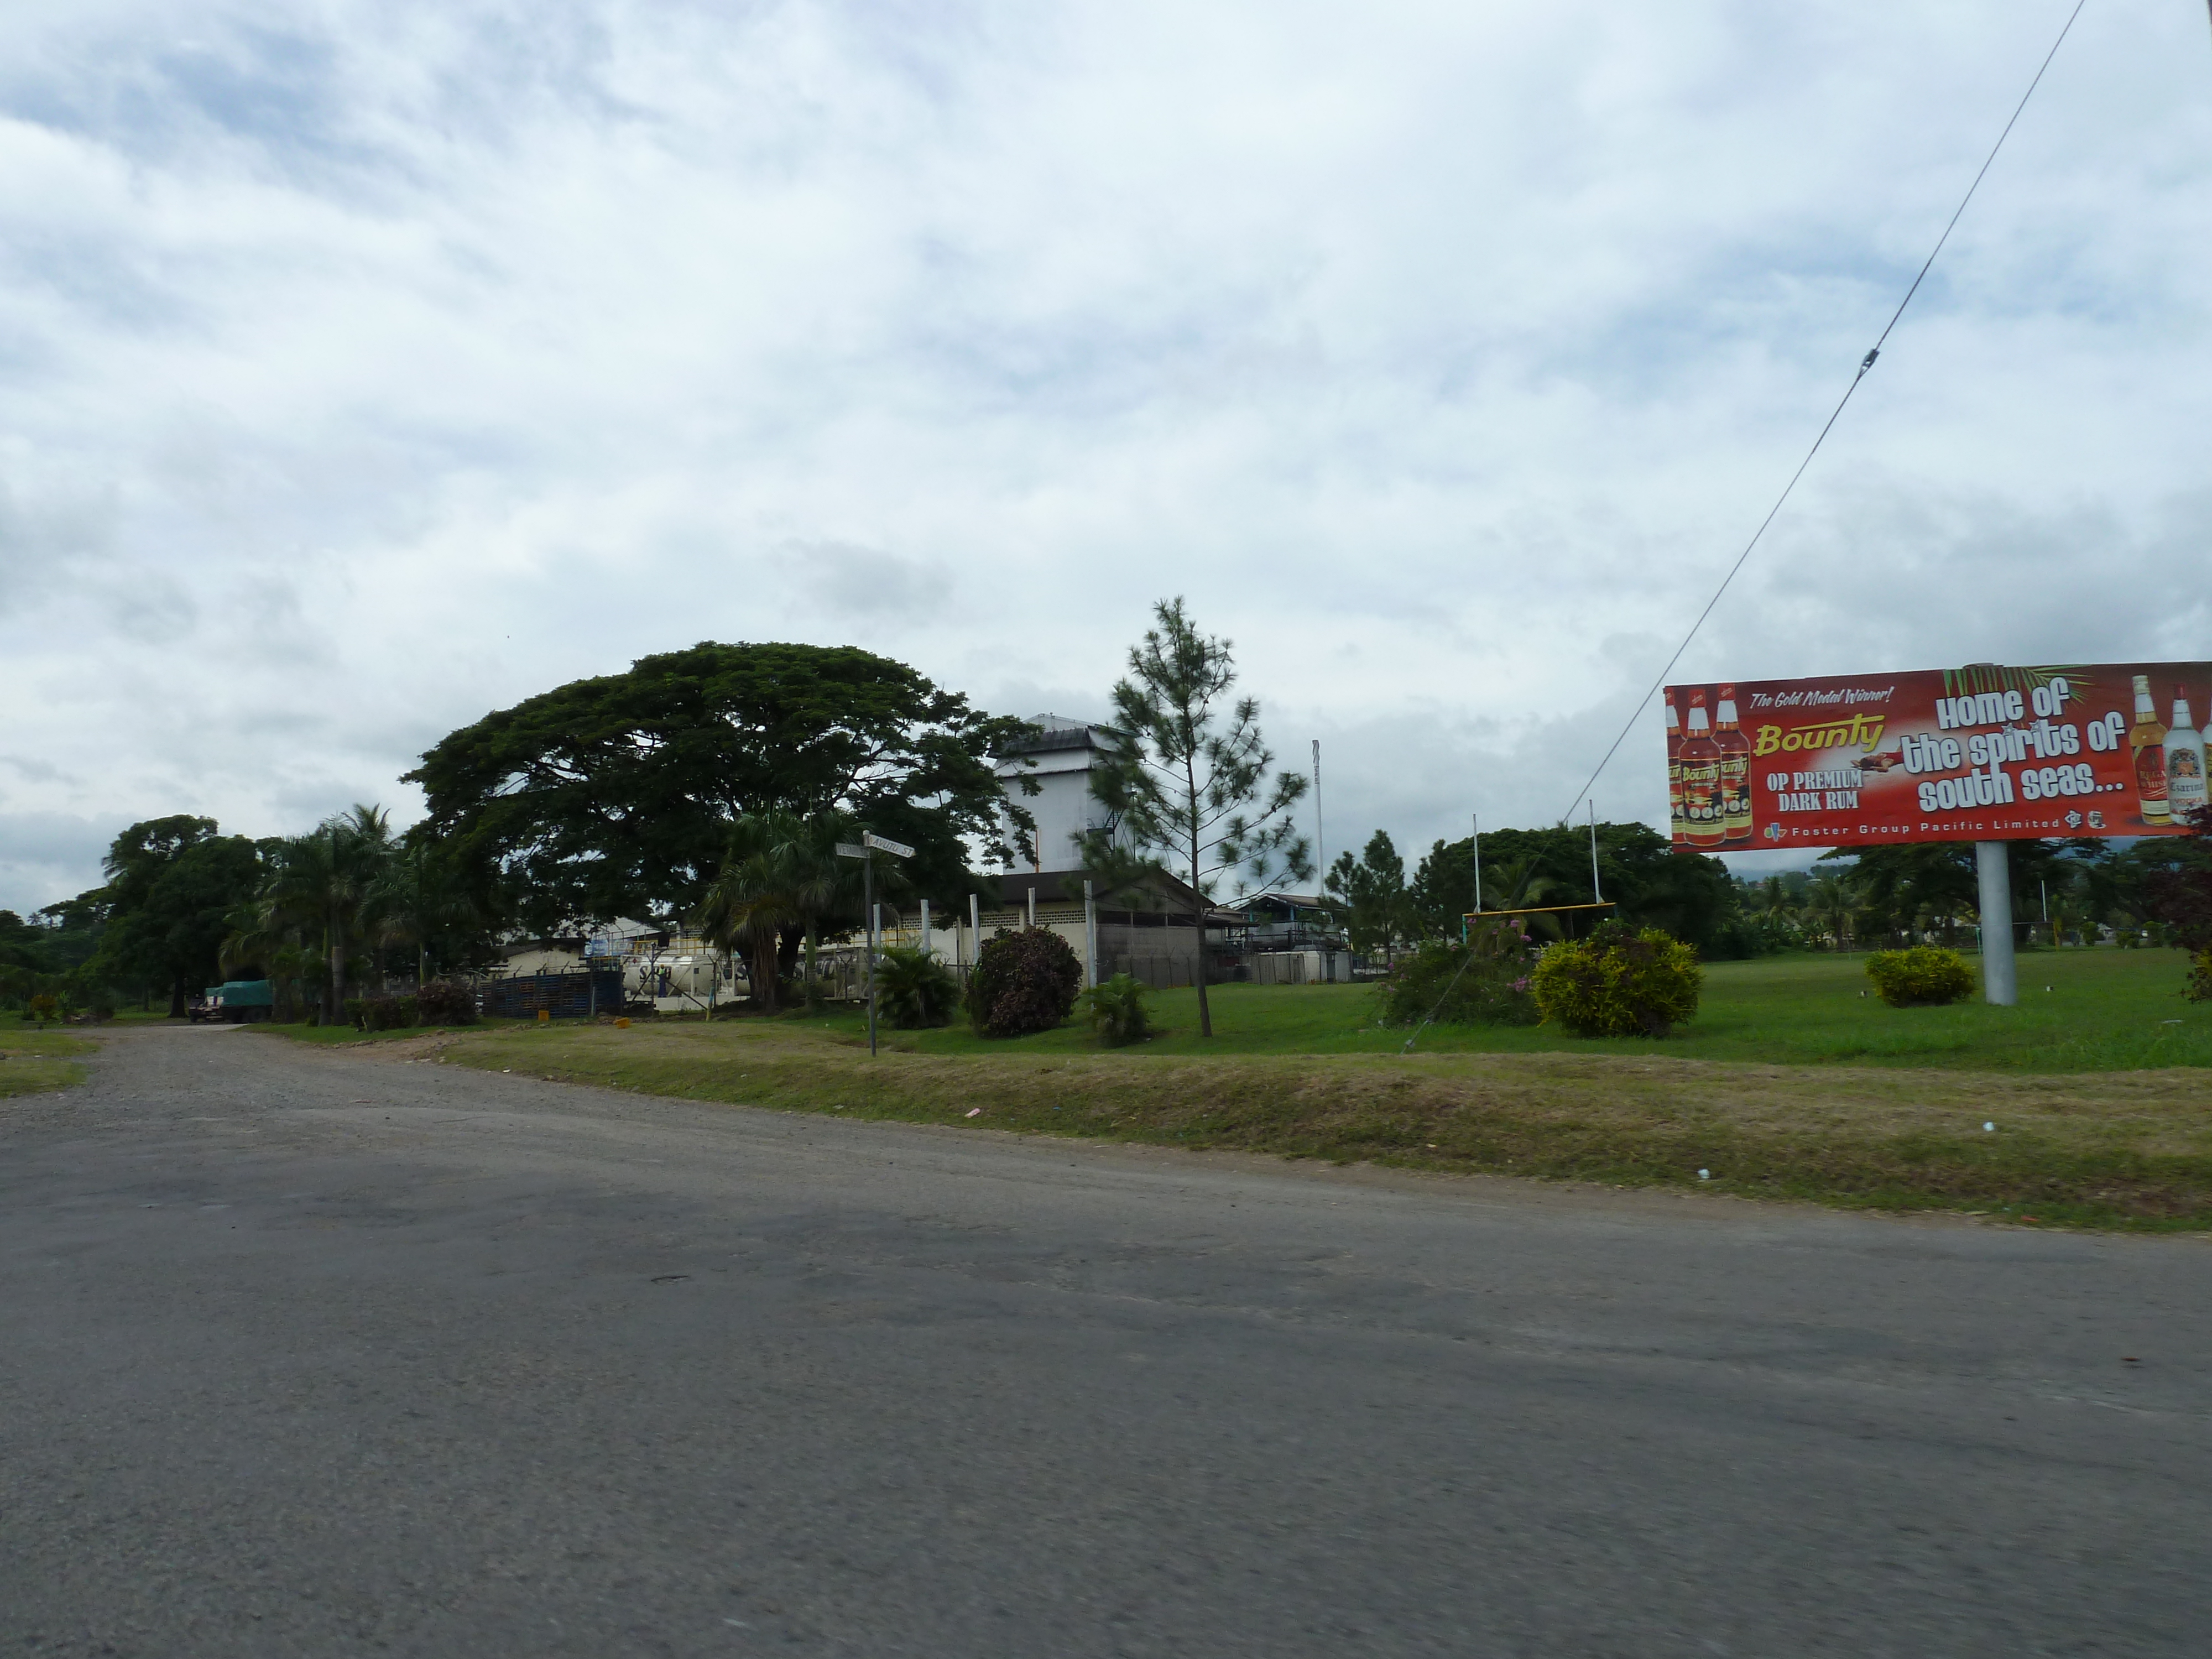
column 302, row 1353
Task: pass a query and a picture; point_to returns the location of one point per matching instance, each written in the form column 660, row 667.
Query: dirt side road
column 305, row 1353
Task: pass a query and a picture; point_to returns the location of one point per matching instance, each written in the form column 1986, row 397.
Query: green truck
column 236, row 1001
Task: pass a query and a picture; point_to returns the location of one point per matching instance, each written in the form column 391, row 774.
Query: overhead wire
column 1834, row 415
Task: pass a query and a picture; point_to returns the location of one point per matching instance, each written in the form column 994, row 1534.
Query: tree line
column 2063, row 891
column 678, row 790
column 1541, row 872
column 708, row 787
column 1868, row 898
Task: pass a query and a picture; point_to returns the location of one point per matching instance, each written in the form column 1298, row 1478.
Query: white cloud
column 375, row 370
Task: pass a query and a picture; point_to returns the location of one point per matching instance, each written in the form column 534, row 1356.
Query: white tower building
column 1065, row 756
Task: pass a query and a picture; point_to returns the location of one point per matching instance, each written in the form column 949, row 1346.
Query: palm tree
column 417, row 897
column 1520, row 884
column 1828, row 903
column 1774, row 900
column 831, row 891
column 771, row 879
column 327, row 885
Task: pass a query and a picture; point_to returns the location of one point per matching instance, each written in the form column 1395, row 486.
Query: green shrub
column 1484, row 982
column 1024, row 981
column 446, row 1002
column 1925, row 976
column 914, row 989
column 1618, row 982
column 380, row 1013
column 1117, row 1011
column 2200, row 974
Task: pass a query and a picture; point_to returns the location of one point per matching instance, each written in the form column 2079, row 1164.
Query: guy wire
column 1865, row 363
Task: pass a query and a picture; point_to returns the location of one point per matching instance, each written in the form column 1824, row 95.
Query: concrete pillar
column 1999, row 979
column 1091, row 935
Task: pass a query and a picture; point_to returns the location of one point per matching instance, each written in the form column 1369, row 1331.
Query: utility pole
column 1594, row 893
column 1320, row 845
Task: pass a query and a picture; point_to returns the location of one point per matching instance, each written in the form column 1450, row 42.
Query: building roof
column 1164, row 891
column 1063, row 731
column 1297, row 900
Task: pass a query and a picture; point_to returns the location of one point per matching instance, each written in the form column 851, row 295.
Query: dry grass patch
column 2132, row 1149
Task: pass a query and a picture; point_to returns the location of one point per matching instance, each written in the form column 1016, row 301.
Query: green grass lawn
column 2106, row 1009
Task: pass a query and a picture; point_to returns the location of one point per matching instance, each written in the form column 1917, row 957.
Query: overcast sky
column 367, row 367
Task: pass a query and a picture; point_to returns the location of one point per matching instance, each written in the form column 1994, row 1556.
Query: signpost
column 869, row 845
column 1986, row 753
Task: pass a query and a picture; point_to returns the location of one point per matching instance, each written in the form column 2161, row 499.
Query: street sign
column 847, row 850
column 884, row 844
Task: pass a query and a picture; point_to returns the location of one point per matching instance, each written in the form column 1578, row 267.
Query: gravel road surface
column 309, row 1352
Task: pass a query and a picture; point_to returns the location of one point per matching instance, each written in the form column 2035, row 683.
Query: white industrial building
column 1148, row 934
column 1060, row 763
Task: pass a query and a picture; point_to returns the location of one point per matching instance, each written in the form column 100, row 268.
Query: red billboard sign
column 1972, row 754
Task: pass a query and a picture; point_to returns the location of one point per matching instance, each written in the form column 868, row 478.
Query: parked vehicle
column 235, row 1000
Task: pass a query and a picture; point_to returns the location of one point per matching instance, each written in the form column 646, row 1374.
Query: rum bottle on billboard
column 1736, row 769
column 1702, row 820
column 2146, row 739
column 2185, row 762
column 1674, row 771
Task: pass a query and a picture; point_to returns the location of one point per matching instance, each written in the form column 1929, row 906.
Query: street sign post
column 870, row 845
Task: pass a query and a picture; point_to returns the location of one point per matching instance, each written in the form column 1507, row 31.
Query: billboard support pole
column 1476, row 819
column 2000, row 980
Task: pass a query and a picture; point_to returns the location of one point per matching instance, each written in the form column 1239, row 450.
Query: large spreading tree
column 171, row 883
column 617, row 796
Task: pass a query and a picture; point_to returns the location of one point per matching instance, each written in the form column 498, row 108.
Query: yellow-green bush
column 1925, row 976
column 1618, row 982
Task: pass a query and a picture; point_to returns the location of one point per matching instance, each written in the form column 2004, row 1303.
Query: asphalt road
column 302, row 1353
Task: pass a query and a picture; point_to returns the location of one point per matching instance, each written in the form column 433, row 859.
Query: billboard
column 1985, row 753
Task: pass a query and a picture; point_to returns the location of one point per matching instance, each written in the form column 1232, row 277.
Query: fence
column 564, row 996
column 1300, row 966
column 1161, row 973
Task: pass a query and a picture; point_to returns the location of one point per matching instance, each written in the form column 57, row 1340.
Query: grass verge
column 31, row 1062
column 2131, row 1151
